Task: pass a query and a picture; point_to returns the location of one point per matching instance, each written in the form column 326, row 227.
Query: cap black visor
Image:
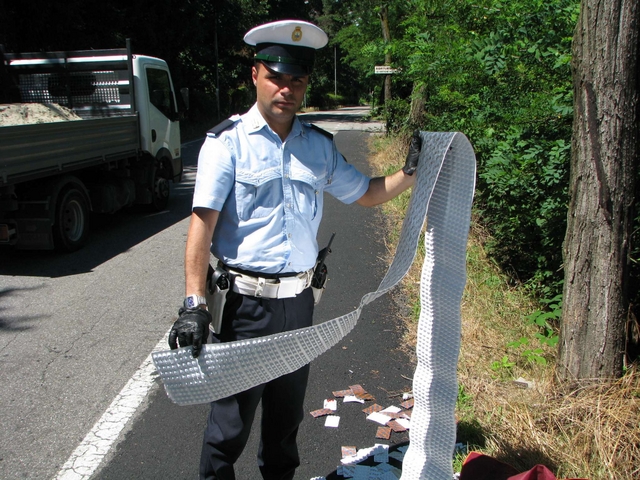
column 287, row 59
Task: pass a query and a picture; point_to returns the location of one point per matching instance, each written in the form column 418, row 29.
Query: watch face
column 190, row 302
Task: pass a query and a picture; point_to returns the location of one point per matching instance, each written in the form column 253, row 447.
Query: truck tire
column 161, row 189
column 71, row 226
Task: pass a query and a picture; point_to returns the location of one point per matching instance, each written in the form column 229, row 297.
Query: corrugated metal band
column 443, row 193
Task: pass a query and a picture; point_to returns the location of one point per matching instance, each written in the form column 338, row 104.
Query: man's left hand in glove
column 191, row 328
column 411, row 163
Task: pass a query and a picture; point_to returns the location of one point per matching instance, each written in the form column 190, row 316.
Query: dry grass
column 588, row 431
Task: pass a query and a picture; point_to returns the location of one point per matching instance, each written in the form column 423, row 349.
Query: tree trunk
column 386, row 36
column 416, row 114
column 603, row 180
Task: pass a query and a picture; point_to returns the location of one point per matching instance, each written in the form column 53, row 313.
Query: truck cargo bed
column 28, row 152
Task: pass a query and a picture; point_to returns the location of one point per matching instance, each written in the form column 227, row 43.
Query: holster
column 218, row 284
column 319, row 281
column 317, row 294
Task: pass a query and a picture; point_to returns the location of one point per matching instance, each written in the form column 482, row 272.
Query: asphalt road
column 75, row 328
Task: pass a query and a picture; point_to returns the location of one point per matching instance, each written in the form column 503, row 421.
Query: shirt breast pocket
column 257, row 194
column 307, row 193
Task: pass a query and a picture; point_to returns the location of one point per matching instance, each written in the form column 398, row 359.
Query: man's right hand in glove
column 191, row 328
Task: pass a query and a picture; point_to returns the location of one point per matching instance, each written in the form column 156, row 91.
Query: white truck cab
column 120, row 146
column 157, row 107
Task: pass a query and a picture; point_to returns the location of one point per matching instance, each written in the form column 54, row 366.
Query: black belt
column 250, row 273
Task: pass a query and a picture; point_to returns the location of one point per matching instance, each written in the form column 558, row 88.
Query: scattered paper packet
column 391, row 409
column 372, row 408
column 384, row 433
column 379, row 417
column 321, row 412
column 405, row 422
column 352, row 398
column 396, row 427
column 363, row 454
column 360, row 392
column 348, row 451
column 408, row 404
column 332, row 421
column 357, row 390
column 331, row 404
column 342, row 393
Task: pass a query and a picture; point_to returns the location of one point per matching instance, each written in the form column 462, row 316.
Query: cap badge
column 296, row 36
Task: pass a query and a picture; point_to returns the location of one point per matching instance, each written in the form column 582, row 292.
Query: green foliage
column 547, row 319
column 523, row 196
column 530, row 355
column 503, row 367
column 395, row 113
column 464, row 402
column 500, row 73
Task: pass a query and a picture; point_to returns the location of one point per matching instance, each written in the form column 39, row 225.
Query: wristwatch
column 194, row 301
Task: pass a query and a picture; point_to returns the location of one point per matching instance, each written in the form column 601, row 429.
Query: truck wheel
column 71, row 225
column 161, row 190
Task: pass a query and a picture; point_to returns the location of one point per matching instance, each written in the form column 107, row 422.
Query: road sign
column 385, row 69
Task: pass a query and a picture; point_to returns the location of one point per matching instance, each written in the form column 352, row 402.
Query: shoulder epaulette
column 329, row 135
column 222, row 126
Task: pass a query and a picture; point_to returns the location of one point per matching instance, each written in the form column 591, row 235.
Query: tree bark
column 386, row 36
column 416, row 114
column 604, row 159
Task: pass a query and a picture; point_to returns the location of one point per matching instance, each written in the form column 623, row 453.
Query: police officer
column 259, row 196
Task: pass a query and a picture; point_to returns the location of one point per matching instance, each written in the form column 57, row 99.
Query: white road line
column 86, row 458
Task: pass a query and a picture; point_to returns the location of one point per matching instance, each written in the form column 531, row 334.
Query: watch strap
column 194, row 301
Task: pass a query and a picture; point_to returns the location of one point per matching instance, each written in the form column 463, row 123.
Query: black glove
column 191, row 328
column 411, row 163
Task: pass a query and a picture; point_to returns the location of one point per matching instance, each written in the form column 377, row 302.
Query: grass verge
column 580, row 431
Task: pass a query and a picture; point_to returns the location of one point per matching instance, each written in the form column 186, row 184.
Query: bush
column 503, row 78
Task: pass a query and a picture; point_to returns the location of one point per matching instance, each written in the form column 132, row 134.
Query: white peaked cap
column 288, row 32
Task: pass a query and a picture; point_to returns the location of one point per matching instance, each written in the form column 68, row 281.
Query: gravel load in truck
column 31, row 113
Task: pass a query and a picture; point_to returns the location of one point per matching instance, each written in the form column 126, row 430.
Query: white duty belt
column 443, row 193
column 282, row 287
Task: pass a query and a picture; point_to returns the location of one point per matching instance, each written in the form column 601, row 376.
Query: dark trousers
column 230, row 419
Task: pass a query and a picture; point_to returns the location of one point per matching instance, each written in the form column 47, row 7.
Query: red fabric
column 482, row 467
column 539, row 472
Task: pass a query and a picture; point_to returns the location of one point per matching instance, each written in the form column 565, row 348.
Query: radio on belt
column 218, row 284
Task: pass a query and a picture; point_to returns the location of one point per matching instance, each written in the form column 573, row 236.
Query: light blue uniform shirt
column 270, row 193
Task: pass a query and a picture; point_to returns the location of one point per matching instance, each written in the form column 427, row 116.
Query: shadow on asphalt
column 110, row 235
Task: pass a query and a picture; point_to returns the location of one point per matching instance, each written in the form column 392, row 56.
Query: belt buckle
column 288, row 287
